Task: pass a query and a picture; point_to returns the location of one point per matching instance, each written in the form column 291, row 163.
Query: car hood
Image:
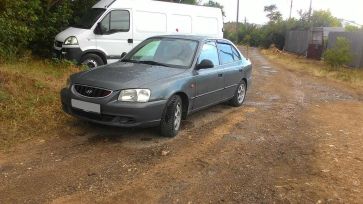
column 123, row 75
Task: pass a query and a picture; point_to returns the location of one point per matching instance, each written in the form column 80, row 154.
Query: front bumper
column 71, row 54
column 116, row 113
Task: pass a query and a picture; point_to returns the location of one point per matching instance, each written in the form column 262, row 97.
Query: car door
column 116, row 34
column 232, row 67
column 209, row 82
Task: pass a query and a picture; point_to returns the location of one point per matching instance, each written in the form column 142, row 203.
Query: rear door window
column 225, row 53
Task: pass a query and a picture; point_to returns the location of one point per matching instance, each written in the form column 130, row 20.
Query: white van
column 112, row 27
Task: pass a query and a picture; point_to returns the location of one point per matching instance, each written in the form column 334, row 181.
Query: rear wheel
column 172, row 116
column 92, row 60
column 240, row 95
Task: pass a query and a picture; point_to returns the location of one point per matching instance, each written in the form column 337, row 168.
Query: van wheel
column 91, row 60
column 172, row 116
column 240, row 95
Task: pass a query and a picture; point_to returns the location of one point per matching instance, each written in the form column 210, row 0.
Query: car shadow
column 94, row 133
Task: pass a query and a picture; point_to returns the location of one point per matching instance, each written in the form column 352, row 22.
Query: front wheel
column 240, row 95
column 92, row 60
column 172, row 116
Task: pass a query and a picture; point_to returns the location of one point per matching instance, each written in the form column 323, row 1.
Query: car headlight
column 135, row 95
column 71, row 41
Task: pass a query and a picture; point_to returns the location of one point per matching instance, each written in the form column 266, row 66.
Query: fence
column 297, row 41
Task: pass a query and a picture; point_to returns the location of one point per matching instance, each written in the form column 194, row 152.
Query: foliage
column 16, row 26
column 324, row 18
column 32, row 24
column 352, row 28
column 272, row 13
column 194, row 2
column 274, row 32
column 215, row 4
column 339, row 54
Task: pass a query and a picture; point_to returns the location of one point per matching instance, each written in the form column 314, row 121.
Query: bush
column 32, row 25
column 338, row 55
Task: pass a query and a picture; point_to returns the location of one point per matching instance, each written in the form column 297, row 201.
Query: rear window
column 225, row 53
column 236, row 55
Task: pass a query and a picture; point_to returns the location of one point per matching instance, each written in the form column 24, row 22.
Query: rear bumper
column 71, row 54
column 116, row 113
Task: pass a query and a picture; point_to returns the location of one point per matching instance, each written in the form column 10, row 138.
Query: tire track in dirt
column 184, row 155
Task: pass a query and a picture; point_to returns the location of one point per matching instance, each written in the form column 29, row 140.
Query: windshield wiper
column 130, row 60
column 153, row 63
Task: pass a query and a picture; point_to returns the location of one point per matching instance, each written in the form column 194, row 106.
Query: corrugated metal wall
column 297, row 41
column 356, row 46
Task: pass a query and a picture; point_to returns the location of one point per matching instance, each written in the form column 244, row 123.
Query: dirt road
column 297, row 139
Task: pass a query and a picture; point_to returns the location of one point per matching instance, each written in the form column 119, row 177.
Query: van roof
column 116, row 3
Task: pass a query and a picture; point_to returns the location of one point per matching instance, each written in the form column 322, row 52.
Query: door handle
column 130, row 40
column 220, row 75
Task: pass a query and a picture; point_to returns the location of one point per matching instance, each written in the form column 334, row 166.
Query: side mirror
column 205, row 64
column 123, row 55
column 98, row 29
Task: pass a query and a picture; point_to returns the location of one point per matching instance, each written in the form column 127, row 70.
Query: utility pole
column 237, row 22
column 291, row 8
column 310, row 9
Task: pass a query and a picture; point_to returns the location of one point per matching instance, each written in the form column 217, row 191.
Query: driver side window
column 116, row 21
column 209, row 52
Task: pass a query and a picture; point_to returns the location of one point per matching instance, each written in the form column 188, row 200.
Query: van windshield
column 89, row 18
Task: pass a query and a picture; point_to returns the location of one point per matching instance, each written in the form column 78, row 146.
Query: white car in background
column 113, row 27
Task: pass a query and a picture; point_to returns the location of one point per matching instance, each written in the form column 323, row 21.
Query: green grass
column 29, row 99
column 349, row 76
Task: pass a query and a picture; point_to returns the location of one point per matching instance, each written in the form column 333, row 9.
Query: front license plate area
column 86, row 106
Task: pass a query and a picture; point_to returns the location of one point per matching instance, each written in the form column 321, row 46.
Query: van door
column 116, row 34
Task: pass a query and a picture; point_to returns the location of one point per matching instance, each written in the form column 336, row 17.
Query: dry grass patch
column 349, row 76
column 29, row 100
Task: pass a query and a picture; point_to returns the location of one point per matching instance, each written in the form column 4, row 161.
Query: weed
column 349, row 76
column 29, row 99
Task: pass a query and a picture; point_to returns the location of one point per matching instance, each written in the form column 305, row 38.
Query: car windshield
column 170, row 52
column 89, row 18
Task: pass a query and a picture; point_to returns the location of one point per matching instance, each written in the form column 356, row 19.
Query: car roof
column 193, row 37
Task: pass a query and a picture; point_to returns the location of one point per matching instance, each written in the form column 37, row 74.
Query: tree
column 324, row 18
column 272, row 13
column 351, row 28
column 193, row 2
column 215, row 4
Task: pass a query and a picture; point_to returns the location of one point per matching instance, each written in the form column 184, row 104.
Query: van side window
column 225, row 53
column 210, row 52
column 116, row 21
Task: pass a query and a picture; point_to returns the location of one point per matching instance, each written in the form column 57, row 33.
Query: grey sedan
column 159, row 83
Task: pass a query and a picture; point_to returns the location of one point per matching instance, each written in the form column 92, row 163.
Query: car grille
column 58, row 43
column 91, row 92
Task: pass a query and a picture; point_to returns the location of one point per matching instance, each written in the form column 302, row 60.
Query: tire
column 91, row 60
column 172, row 116
column 239, row 95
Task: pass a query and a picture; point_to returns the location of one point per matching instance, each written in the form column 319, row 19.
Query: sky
column 253, row 9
